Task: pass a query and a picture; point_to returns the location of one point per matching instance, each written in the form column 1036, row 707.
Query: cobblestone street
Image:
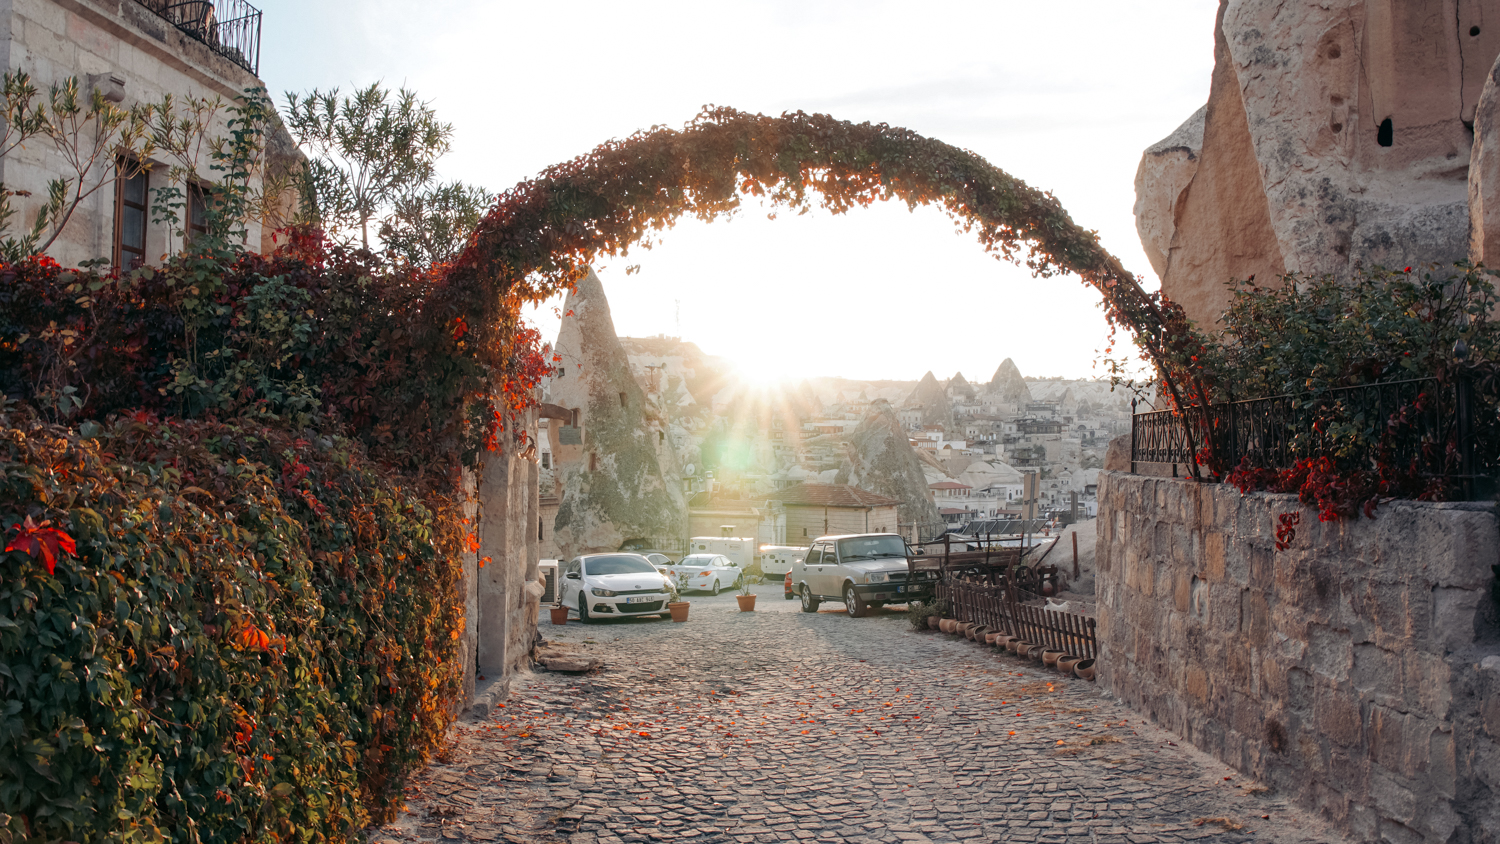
column 783, row 726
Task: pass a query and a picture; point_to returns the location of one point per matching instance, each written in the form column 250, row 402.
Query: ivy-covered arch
column 542, row 233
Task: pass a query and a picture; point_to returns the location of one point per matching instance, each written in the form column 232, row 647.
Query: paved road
column 782, row 726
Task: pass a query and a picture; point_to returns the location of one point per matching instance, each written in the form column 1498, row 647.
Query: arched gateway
column 543, row 233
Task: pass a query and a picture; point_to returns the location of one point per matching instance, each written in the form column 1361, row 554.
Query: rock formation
column 960, row 388
column 624, row 482
column 881, row 460
column 1008, row 384
column 933, row 399
column 1335, row 135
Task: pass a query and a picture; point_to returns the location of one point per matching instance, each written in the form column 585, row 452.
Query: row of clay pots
column 1066, row 663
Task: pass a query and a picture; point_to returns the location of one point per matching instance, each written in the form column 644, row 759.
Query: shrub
column 255, row 639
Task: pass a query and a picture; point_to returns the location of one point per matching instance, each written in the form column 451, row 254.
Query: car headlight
column 602, row 593
column 876, row 577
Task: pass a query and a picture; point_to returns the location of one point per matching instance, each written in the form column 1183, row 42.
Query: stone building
column 814, row 510
column 132, row 52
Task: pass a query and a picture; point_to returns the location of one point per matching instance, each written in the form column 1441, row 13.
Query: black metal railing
column 1422, row 426
column 230, row 28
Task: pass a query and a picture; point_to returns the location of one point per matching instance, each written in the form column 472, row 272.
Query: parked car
column 705, row 572
column 865, row 571
column 615, row 583
column 658, row 559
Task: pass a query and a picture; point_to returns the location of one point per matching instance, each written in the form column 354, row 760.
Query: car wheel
column 583, row 610
column 715, row 590
column 853, row 604
column 809, row 603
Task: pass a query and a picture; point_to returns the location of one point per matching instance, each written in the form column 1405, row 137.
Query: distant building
column 814, row 510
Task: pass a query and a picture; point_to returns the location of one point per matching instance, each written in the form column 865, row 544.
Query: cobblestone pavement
column 782, row 726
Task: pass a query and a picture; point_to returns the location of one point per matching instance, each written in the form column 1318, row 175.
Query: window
column 546, row 460
column 814, row 556
column 198, row 200
column 130, row 218
column 623, row 403
column 541, row 529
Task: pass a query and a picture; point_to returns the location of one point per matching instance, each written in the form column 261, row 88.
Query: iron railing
column 1424, row 426
column 230, row 28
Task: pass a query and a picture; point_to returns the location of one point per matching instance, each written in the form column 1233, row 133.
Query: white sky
column 1064, row 95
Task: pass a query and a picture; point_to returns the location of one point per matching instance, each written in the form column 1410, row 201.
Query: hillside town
column 735, row 459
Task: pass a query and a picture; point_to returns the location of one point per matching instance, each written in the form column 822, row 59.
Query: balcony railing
column 230, row 28
column 1423, row 425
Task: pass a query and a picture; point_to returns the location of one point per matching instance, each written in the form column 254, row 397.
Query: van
column 777, row 560
column 739, row 549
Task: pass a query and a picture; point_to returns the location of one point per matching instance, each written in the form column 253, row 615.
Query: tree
column 367, row 151
column 433, row 226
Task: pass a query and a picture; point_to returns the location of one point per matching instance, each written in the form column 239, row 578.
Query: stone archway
column 543, row 233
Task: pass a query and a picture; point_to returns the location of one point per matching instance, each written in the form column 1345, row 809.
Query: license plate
column 900, row 588
column 642, row 599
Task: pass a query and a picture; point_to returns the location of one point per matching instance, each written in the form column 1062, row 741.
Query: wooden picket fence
column 996, row 606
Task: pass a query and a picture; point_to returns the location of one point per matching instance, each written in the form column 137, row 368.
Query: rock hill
column 933, row 399
column 880, row 459
column 622, row 484
column 1008, row 383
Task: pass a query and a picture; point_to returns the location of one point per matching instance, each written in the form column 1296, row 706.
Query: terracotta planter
column 1084, row 669
column 970, row 631
column 746, row 602
column 982, row 634
column 1003, row 641
column 1035, row 652
column 991, row 637
column 1065, row 665
column 559, row 615
column 933, row 622
column 1017, row 645
column 948, row 625
column 1050, row 658
column 679, row 610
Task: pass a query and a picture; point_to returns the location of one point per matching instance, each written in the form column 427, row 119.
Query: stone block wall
column 1357, row 671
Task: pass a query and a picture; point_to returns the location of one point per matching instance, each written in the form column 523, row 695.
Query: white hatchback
column 705, row 572
column 615, row 584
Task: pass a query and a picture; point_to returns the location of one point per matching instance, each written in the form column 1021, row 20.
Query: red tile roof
column 831, row 495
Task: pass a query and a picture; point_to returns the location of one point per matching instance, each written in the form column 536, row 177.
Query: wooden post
column 1075, row 554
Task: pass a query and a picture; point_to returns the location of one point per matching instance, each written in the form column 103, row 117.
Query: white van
column 777, row 560
column 736, row 548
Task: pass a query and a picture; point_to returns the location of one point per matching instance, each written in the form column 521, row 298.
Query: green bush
column 255, row 639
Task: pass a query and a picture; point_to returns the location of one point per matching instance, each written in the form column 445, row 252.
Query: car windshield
column 871, row 548
column 623, row 564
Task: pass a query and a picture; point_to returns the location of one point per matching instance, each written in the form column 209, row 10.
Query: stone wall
column 1357, row 671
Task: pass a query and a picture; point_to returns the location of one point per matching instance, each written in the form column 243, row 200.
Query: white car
column 613, row 584
column 705, row 572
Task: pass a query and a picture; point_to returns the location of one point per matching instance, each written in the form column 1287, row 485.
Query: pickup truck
column 864, row 570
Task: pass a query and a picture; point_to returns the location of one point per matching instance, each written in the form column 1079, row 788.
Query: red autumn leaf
column 42, row 539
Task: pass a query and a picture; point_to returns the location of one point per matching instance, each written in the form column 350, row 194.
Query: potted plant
column 679, row 610
column 745, row 598
column 559, row 614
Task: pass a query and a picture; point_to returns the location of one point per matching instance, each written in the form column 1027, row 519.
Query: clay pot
column 1084, row 669
column 933, row 622
column 1035, row 652
column 559, row 615
column 1003, row 641
column 679, row 610
column 1065, row 664
column 991, row 637
column 947, row 625
column 746, row 602
column 1016, row 645
column 1050, row 658
column 980, row 633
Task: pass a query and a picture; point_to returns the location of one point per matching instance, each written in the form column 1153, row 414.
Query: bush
column 255, row 639
column 918, row 613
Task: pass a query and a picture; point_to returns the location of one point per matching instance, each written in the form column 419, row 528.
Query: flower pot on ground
column 1065, row 664
column 1050, row 658
column 679, row 610
column 1035, row 652
column 1019, row 646
column 948, row 625
column 746, row 602
column 1084, row 669
column 559, row 615
column 934, row 623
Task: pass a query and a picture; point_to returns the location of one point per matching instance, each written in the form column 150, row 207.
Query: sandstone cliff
column 1336, row 135
column 622, row 481
column 881, row 460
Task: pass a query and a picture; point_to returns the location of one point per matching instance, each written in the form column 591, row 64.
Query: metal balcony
column 230, row 28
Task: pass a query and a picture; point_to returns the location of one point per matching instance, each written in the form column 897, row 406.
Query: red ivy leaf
column 42, row 539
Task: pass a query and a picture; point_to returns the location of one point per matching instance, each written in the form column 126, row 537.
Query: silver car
column 865, row 571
